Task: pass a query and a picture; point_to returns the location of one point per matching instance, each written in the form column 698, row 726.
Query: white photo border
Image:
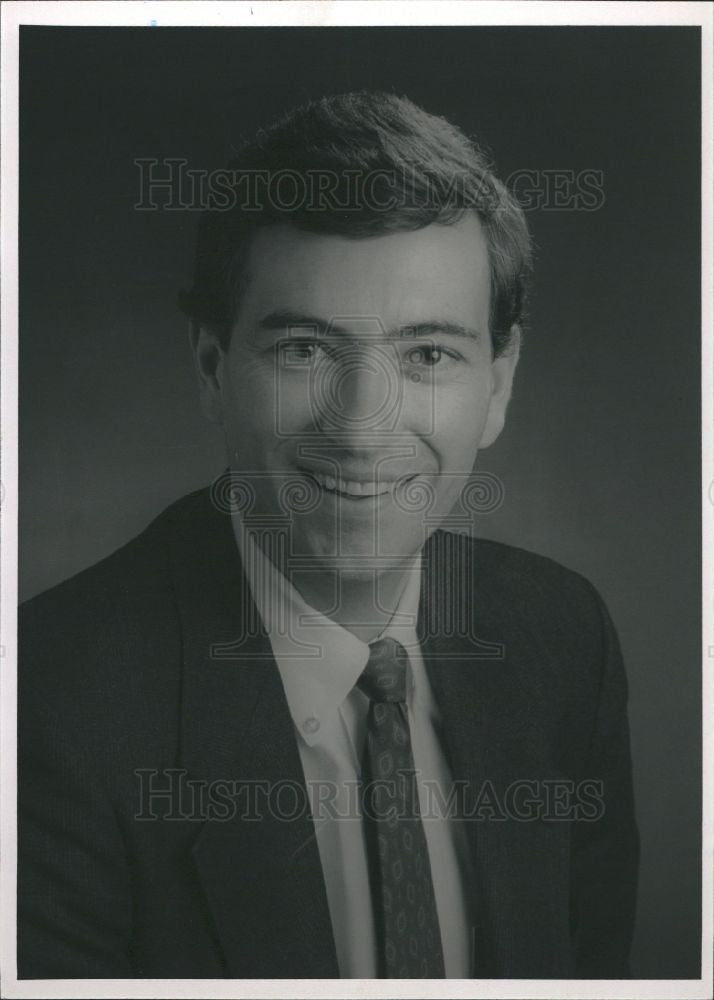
column 324, row 13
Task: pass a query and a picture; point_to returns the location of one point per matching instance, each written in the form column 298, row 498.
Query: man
column 297, row 728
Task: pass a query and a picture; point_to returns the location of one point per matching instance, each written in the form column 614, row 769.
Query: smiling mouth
column 354, row 489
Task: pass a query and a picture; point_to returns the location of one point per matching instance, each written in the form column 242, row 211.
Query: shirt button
column 311, row 725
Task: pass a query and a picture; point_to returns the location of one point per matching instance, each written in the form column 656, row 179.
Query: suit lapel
column 481, row 674
column 262, row 876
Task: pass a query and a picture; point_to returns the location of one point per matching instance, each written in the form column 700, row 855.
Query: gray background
column 600, row 458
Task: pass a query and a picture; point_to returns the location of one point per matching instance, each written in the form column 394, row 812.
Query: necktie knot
column 385, row 676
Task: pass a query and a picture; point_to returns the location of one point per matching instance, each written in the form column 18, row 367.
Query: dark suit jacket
column 148, row 661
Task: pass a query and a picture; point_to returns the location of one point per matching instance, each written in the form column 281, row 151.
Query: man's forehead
column 404, row 278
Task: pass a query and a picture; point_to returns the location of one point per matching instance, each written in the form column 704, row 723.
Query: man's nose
column 359, row 395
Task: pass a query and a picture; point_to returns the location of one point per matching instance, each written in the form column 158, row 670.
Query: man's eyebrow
column 283, row 319
column 431, row 327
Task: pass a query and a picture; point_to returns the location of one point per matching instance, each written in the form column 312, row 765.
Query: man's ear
column 503, row 368
column 210, row 361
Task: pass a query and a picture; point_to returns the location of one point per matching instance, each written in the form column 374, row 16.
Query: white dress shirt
column 319, row 663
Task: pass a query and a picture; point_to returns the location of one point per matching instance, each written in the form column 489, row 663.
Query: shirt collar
column 319, row 661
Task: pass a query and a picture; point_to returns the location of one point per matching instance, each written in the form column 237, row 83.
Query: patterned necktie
column 405, row 908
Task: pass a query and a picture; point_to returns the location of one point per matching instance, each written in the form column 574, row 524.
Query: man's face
column 359, row 380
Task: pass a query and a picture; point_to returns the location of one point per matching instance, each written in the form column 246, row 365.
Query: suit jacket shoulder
column 508, row 594
column 538, row 585
column 101, row 650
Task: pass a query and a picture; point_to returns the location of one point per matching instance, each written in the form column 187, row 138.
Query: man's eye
column 429, row 355
column 298, row 352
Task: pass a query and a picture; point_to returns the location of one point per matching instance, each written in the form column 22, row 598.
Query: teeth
column 352, row 487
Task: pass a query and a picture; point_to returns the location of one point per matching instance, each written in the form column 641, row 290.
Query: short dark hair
column 360, row 165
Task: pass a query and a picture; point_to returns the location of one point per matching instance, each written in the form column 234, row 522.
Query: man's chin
column 356, row 554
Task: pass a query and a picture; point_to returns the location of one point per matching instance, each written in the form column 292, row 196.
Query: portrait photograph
column 356, row 491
